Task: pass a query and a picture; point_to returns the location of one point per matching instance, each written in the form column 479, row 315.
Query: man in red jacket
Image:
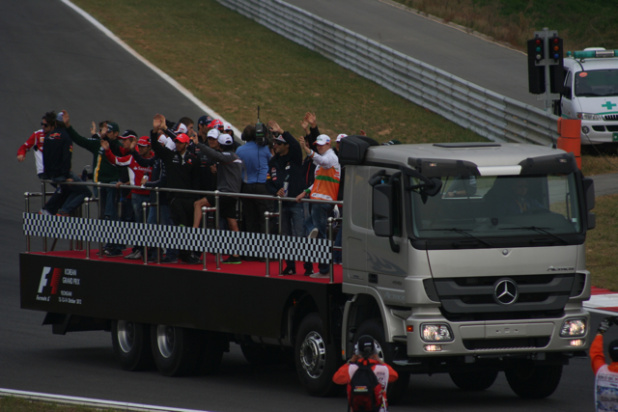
column 606, row 376
column 366, row 352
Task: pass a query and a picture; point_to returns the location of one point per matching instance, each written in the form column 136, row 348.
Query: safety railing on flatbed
column 86, row 228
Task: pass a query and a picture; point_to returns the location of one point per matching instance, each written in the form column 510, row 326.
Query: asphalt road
column 51, row 58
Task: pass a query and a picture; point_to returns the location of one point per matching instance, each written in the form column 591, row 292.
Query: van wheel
column 533, row 381
column 176, row 350
column 314, row 358
column 131, row 344
column 395, row 391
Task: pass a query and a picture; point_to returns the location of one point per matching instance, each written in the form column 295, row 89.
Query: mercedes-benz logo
column 505, row 291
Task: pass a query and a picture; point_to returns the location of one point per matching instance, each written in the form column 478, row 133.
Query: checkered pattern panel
column 178, row 237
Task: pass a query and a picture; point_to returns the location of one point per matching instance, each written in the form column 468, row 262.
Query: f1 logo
column 50, row 277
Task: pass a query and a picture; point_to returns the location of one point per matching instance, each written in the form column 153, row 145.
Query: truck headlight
column 589, row 116
column 573, row 328
column 436, row 332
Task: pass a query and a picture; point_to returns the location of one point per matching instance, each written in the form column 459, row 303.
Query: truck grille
column 499, row 297
column 611, row 117
column 495, row 344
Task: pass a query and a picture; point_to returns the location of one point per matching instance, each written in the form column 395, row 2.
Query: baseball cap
column 112, row 127
column 365, row 346
column 144, row 141
column 180, row 128
column 341, row 136
column 227, row 126
column 182, row 138
column 279, row 139
column 213, row 134
column 128, row 134
column 225, row 139
column 322, row 140
column 204, row 120
column 216, row 123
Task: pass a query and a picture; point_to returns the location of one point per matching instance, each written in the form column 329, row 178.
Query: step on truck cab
column 467, row 258
column 590, row 93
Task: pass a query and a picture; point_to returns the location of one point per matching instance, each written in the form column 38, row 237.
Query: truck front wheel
column 176, row 351
column 131, row 344
column 474, row 378
column 314, row 358
column 533, row 381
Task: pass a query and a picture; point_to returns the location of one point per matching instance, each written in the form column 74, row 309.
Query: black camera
column 262, row 134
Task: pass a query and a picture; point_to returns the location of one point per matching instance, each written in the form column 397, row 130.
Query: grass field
column 234, row 65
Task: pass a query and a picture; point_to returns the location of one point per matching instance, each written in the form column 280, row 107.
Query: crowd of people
column 176, row 156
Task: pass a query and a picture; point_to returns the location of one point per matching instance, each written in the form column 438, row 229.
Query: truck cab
column 473, row 259
column 590, row 93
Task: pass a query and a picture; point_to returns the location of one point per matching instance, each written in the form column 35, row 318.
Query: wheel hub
column 166, row 340
column 313, row 354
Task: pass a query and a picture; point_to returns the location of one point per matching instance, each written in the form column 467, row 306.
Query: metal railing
column 491, row 115
column 89, row 228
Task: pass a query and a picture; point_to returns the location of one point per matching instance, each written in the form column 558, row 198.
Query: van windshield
column 498, row 211
column 597, row 83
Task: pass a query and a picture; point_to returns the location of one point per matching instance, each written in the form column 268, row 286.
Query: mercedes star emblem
column 505, row 291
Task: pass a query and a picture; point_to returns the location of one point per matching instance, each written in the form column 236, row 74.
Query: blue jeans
column 136, row 203
column 74, row 195
column 292, row 220
column 320, row 212
column 108, row 202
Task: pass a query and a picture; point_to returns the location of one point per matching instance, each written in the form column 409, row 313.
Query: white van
column 591, row 93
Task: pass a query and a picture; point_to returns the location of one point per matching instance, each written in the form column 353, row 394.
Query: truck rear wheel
column 395, row 391
column 474, row 378
column 131, row 344
column 533, row 381
column 176, row 350
column 314, row 358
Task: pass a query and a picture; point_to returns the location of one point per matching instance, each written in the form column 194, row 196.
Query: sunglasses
column 44, row 124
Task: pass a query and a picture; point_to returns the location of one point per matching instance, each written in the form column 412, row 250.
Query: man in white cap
column 325, row 187
column 229, row 178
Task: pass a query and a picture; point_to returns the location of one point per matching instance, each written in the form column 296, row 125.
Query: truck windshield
column 597, row 83
column 497, row 211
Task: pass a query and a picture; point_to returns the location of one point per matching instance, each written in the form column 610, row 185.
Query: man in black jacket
column 285, row 179
column 57, row 156
column 182, row 169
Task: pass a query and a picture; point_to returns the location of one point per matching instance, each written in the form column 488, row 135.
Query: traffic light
column 556, row 69
column 536, row 69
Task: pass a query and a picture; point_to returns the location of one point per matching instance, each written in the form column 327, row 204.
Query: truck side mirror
column 382, row 216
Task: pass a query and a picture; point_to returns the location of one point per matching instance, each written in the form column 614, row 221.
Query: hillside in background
column 580, row 23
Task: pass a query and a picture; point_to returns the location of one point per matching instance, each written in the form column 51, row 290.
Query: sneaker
column 135, row 255
column 62, row 214
column 314, row 233
column 232, row 260
column 319, row 275
column 192, row 259
column 288, row 271
column 308, row 272
column 112, row 253
column 44, row 212
column 169, row 259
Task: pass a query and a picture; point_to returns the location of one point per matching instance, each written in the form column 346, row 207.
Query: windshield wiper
column 542, row 230
column 462, row 232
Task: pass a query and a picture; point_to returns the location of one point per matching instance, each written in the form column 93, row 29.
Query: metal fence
column 491, row 115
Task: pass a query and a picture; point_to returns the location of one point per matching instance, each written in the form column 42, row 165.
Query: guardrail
column 491, row 115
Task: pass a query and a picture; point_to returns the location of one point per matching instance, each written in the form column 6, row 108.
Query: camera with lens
column 263, row 135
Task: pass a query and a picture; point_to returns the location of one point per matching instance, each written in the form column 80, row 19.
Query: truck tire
column 474, row 378
column 315, row 360
column 176, row 351
column 395, row 390
column 532, row 381
column 131, row 344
